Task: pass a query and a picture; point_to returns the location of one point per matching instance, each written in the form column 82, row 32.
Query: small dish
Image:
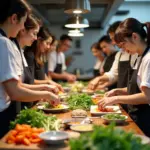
column 117, row 118
column 82, row 128
column 54, row 137
column 87, row 91
column 144, row 139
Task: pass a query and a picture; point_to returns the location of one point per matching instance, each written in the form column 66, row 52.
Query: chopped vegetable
column 114, row 116
column 107, row 138
column 37, row 119
column 79, row 101
column 24, row 134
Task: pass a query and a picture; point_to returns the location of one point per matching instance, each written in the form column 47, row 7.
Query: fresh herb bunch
column 79, row 101
column 37, row 119
column 107, row 138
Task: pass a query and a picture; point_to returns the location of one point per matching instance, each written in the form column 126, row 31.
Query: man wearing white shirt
column 56, row 61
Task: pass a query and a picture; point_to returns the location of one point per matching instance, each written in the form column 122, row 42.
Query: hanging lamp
column 77, row 22
column 77, row 6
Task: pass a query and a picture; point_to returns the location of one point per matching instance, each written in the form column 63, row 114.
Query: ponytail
column 147, row 25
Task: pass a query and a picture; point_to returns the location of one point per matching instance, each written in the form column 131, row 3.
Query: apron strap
column 3, row 33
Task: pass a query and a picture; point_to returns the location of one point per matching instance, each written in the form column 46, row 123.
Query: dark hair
column 43, row 35
column 113, row 27
column 31, row 22
column 104, row 38
column 96, row 46
column 65, row 37
column 10, row 7
column 130, row 25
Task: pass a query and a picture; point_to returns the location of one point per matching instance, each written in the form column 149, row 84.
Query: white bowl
column 54, row 137
column 118, row 121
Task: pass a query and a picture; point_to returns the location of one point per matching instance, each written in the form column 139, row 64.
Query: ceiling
column 52, row 11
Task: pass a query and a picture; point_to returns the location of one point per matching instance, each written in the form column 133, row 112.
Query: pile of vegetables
column 107, row 138
column 24, row 134
column 36, row 118
column 79, row 101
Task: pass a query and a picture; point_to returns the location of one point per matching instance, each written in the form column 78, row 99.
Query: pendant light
column 76, row 30
column 77, row 22
column 76, row 34
column 77, row 6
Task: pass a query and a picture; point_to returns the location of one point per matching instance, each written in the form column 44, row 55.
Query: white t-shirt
column 8, row 69
column 55, row 58
column 113, row 73
column 143, row 78
column 18, row 60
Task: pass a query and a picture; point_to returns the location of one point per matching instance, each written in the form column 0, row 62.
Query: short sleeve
column 51, row 62
column 144, row 74
column 64, row 67
column 113, row 73
column 7, row 61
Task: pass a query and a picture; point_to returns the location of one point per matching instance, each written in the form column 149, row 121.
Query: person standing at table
column 132, row 37
column 108, row 48
column 12, row 18
column 56, row 61
column 98, row 53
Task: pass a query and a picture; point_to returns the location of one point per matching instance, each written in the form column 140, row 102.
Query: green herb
column 107, row 138
column 114, row 116
column 37, row 119
column 79, row 101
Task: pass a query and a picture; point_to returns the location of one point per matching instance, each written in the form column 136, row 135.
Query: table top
column 129, row 125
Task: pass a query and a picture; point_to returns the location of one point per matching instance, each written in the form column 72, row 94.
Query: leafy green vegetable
column 107, row 138
column 79, row 101
column 37, row 119
column 114, row 116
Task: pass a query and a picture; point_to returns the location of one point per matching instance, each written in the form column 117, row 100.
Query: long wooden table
column 129, row 125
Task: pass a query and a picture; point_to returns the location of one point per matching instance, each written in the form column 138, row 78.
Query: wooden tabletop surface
column 129, row 125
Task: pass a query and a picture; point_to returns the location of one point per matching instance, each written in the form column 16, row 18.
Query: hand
column 53, row 99
column 116, row 92
column 92, row 85
column 70, row 78
column 56, row 84
column 107, row 101
column 51, row 88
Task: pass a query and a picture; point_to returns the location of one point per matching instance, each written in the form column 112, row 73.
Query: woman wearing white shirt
column 98, row 53
column 12, row 18
column 132, row 37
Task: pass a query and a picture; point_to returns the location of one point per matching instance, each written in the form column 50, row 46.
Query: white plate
column 54, row 137
column 118, row 121
column 54, row 110
column 145, row 139
column 94, row 112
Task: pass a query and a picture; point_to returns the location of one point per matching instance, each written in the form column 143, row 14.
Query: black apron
column 123, row 67
column 58, row 69
column 28, row 79
column 107, row 66
column 96, row 72
column 39, row 72
column 8, row 114
column 139, row 113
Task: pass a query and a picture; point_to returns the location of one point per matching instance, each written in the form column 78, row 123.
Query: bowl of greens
column 117, row 118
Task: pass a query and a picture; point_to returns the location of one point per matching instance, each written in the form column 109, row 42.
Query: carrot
column 35, row 135
column 10, row 142
column 19, row 138
column 37, row 140
column 13, row 132
column 20, row 128
column 26, row 141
